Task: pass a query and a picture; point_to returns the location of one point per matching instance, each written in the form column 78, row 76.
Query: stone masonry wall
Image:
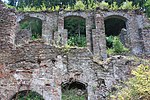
column 146, row 39
column 7, row 27
column 53, row 31
column 41, row 67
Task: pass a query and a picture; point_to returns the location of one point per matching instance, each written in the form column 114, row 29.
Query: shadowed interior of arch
column 114, row 25
column 76, row 27
column 74, row 91
column 27, row 95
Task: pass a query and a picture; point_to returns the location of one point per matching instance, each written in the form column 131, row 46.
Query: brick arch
column 119, row 15
column 78, row 14
column 70, row 80
column 31, row 15
column 75, row 84
column 74, row 16
column 82, row 15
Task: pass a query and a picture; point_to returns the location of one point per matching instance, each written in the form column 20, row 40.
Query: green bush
column 114, row 6
column 147, row 4
column 68, row 8
column 117, row 45
column 75, row 40
column 79, row 5
column 103, row 5
column 138, row 87
column 114, row 45
column 72, row 95
column 128, row 5
column 27, row 95
column 109, row 41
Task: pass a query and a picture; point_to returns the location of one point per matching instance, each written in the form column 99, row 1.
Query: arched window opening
column 74, row 91
column 76, row 27
column 34, row 25
column 27, row 95
column 116, row 34
column 113, row 26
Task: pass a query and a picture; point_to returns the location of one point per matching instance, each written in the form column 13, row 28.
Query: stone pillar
column 124, row 38
column 99, row 42
column 146, row 41
column 133, row 33
column 64, row 36
column 61, row 31
column 46, row 34
column 56, row 38
column 89, row 24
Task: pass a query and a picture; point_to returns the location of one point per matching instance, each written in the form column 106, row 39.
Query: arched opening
column 34, row 25
column 27, row 95
column 74, row 91
column 114, row 25
column 76, row 27
column 116, row 33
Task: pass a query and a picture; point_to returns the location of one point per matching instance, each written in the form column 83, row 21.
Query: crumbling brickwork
column 40, row 66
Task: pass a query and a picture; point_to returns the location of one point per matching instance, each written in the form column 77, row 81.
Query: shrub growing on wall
column 117, row 45
column 103, row 5
column 138, row 87
column 27, row 95
column 79, row 5
column 114, row 45
column 147, row 4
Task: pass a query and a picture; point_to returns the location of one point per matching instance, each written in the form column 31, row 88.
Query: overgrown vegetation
column 27, row 95
column 76, row 40
column 137, row 88
column 74, row 91
column 147, row 5
column 76, row 31
column 72, row 94
column 74, row 5
column 114, row 45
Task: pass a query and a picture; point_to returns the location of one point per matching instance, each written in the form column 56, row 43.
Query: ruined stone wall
column 41, row 67
column 146, row 39
column 49, row 23
column 7, row 27
column 53, row 31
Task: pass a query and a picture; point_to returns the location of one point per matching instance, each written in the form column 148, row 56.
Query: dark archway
column 115, row 26
column 74, row 91
column 76, row 27
column 32, row 24
column 27, row 95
